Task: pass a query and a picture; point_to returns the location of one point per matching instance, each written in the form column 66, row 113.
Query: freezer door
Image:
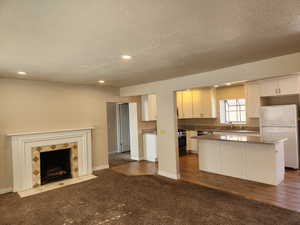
column 291, row 152
column 279, row 116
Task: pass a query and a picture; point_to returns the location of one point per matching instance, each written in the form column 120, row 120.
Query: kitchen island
column 247, row 157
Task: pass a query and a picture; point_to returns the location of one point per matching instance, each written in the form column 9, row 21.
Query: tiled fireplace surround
column 26, row 149
column 36, row 162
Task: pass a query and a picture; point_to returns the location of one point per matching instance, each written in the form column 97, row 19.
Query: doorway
column 118, row 133
column 123, row 128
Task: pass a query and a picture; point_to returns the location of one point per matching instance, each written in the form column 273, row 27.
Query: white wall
column 167, row 143
column 166, row 121
column 276, row 66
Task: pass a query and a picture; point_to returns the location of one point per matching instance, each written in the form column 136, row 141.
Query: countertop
column 229, row 130
column 222, row 129
column 149, row 131
column 240, row 138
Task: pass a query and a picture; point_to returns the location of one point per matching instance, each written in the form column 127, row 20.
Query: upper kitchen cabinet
column 152, row 107
column 204, row 103
column 209, row 103
column 289, row 85
column 280, row 86
column 252, row 99
column 187, row 104
column 149, row 108
column 196, row 103
column 179, row 104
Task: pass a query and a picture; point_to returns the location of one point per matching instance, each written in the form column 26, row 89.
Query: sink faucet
column 231, row 125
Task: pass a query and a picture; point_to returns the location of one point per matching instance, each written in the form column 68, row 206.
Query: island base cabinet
column 261, row 166
column 209, row 156
column 262, row 163
column 232, row 159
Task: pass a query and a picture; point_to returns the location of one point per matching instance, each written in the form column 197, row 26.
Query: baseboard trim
column 137, row 158
column 5, row 190
column 151, row 159
column 173, row 176
column 103, row 167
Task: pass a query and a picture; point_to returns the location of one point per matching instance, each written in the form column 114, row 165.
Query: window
column 233, row 111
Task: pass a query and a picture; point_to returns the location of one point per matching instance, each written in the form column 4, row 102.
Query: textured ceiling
column 81, row 41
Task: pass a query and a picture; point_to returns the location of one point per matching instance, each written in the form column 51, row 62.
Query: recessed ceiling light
column 101, row 81
column 22, row 73
column 126, row 57
column 228, row 84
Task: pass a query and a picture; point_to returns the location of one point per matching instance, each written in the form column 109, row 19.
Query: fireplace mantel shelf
column 45, row 132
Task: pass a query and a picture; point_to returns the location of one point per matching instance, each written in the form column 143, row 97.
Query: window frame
column 225, row 111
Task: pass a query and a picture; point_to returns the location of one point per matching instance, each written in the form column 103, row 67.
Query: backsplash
column 254, row 122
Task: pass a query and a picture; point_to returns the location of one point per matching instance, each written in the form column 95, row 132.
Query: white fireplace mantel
column 22, row 144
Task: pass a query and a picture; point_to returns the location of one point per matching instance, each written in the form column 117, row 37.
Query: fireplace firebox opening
column 55, row 165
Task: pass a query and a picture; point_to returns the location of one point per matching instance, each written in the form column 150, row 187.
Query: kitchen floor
column 286, row 195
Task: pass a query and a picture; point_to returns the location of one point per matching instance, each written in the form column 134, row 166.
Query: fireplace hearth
column 55, row 165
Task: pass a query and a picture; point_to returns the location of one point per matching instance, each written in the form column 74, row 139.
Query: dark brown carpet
column 114, row 198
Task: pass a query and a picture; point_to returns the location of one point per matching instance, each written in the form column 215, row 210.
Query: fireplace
column 52, row 163
column 26, row 153
column 55, row 165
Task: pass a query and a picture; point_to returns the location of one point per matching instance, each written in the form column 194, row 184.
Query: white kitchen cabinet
column 191, row 144
column 152, row 107
column 289, row 85
column 149, row 108
column 179, row 104
column 280, row 86
column 197, row 100
column 268, row 87
column 150, row 147
column 208, row 103
column 196, row 103
column 187, row 104
column 252, row 100
column 262, row 163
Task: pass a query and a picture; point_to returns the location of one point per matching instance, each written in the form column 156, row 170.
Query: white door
column 124, row 133
column 268, row 87
column 288, row 86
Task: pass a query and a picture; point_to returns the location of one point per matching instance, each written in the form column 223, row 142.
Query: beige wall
column 42, row 106
column 230, row 92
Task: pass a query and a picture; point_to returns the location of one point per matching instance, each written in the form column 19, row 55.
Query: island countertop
column 240, row 138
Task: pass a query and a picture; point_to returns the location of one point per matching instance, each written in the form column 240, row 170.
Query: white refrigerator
column 281, row 121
